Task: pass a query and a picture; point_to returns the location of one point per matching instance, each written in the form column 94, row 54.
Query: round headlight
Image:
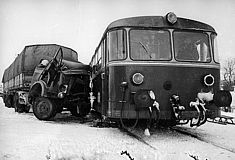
column 138, row 78
column 209, row 80
column 171, row 17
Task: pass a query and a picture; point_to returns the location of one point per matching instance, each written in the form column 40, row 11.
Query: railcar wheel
column 44, row 108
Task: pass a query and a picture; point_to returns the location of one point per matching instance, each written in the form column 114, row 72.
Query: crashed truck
column 49, row 78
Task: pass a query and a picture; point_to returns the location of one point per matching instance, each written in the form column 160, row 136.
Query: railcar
column 157, row 68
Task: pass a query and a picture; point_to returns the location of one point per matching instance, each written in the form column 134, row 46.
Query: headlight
column 138, row 78
column 171, row 17
column 209, row 80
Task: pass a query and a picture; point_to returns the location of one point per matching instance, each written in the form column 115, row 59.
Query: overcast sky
column 79, row 24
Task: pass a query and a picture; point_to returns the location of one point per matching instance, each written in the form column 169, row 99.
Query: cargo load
column 19, row 73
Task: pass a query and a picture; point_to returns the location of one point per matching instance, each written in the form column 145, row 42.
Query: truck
column 47, row 78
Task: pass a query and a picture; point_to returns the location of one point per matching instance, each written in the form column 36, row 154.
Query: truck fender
column 38, row 89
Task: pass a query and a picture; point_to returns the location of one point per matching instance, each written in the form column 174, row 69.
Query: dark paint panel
column 164, row 81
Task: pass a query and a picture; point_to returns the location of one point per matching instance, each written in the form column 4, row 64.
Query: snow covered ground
column 23, row 137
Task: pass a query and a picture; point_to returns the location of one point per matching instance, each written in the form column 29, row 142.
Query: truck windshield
column 191, row 46
column 150, row 45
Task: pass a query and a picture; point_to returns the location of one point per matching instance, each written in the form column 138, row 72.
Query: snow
column 23, row 137
column 178, row 146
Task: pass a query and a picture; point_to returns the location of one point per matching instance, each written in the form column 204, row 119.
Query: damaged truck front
column 60, row 84
column 48, row 78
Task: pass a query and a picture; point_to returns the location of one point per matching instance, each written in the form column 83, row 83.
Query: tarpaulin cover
column 30, row 57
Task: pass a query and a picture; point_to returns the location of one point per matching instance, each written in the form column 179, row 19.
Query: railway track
column 133, row 134
column 136, row 134
column 201, row 138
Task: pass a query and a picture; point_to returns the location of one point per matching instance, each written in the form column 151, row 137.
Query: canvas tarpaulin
column 30, row 57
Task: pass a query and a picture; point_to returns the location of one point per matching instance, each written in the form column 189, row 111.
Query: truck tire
column 9, row 101
column 18, row 107
column 44, row 108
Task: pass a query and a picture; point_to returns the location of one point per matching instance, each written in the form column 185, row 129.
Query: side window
column 103, row 52
column 99, row 58
column 215, row 48
column 98, row 53
column 93, row 64
column 117, row 45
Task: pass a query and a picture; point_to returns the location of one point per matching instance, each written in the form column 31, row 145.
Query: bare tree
column 229, row 74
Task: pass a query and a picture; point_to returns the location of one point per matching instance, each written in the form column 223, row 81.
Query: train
column 161, row 70
column 157, row 69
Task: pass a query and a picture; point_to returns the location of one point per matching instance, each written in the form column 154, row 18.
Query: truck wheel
column 18, row 107
column 44, row 108
column 9, row 101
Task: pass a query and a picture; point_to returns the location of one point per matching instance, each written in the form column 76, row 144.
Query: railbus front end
column 158, row 68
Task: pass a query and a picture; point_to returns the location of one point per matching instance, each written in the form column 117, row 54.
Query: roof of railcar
column 160, row 22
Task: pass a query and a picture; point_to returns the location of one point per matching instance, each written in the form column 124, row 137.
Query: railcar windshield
column 191, row 46
column 150, row 45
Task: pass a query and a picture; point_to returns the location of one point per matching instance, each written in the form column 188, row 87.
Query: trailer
column 17, row 78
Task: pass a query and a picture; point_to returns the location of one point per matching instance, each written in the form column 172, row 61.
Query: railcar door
column 100, row 79
column 104, row 79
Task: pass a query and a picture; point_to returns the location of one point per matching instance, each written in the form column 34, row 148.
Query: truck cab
column 59, row 84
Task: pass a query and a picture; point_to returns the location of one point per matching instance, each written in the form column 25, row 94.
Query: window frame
column 192, row 31
column 214, row 42
column 123, row 43
column 152, row 29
